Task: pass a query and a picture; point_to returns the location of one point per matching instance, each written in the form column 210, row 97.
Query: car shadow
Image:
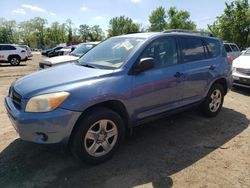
column 241, row 90
column 151, row 155
column 9, row 65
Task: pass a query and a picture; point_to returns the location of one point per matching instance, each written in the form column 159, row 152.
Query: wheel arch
column 115, row 105
column 222, row 81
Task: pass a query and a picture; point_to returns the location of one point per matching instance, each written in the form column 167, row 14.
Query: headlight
column 46, row 102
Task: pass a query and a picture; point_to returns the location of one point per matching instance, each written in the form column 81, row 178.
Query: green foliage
column 122, row 25
column 174, row 19
column 8, row 31
column 234, row 24
column 88, row 33
column 157, row 19
column 179, row 20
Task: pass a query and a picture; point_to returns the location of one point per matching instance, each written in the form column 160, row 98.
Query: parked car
column 12, row 54
column 80, row 50
column 52, row 51
column 122, row 82
column 241, row 70
column 232, row 50
column 27, row 48
column 66, row 50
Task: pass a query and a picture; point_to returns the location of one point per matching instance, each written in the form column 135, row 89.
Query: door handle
column 178, row 74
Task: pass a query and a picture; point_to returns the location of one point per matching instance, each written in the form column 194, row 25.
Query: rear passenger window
column 7, row 47
column 192, row 49
column 227, row 48
column 213, row 48
column 235, row 49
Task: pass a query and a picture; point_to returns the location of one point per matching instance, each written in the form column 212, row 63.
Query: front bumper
column 241, row 80
column 46, row 128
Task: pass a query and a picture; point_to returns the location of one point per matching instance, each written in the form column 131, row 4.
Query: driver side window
column 164, row 52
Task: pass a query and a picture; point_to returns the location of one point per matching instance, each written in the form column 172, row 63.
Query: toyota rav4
column 123, row 82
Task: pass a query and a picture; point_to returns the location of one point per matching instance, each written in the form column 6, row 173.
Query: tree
column 69, row 24
column 234, row 24
column 179, row 19
column 122, row 25
column 39, row 27
column 96, row 33
column 55, row 34
column 84, row 31
column 8, row 31
column 157, row 19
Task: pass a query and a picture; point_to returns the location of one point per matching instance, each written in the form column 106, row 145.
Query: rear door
column 200, row 66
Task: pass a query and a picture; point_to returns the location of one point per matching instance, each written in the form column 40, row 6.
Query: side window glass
column 164, row 52
column 213, row 48
column 235, row 49
column 192, row 49
column 9, row 47
column 227, row 48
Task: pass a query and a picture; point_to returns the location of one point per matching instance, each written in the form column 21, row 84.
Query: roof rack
column 202, row 33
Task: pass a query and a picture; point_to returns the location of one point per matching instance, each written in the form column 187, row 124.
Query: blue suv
column 123, row 82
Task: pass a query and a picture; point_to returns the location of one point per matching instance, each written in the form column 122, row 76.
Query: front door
column 161, row 87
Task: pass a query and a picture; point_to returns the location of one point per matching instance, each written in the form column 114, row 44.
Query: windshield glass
column 112, row 53
column 82, row 49
column 247, row 52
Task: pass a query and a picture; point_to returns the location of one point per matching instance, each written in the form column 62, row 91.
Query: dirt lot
column 186, row 150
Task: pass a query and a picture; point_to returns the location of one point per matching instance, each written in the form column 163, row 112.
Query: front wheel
column 98, row 135
column 214, row 101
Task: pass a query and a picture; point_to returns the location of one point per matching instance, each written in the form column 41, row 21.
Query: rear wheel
column 14, row 60
column 214, row 101
column 99, row 134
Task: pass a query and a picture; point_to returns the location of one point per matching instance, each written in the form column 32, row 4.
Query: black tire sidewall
column 83, row 125
column 205, row 107
column 16, row 58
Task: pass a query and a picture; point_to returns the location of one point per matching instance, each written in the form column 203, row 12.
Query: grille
column 243, row 71
column 16, row 99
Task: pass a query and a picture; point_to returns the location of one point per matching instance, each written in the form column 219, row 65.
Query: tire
column 97, row 136
column 14, row 60
column 213, row 101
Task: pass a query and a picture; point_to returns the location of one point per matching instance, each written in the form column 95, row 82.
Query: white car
column 27, row 48
column 232, row 50
column 12, row 54
column 73, row 56
column 241, row 70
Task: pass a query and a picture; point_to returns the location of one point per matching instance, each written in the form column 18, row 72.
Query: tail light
column 230, row 59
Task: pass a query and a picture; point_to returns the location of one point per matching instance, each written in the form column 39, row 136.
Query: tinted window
column 227, row 48
column 7, row 47
column 163, row 51
column 234, row 47
column 213, row 48
column 192, row 49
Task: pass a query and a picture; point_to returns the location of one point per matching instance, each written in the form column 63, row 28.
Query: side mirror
column 144, row 64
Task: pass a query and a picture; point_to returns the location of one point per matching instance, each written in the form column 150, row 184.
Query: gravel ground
column 185, row 150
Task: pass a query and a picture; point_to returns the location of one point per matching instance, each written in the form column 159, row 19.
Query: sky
column 99, row 12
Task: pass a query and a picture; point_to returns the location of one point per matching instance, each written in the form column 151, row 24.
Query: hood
column 242, row 61
column 61, row 59
column 59, row 78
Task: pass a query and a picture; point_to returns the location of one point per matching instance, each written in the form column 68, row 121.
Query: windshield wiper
column 88, row 65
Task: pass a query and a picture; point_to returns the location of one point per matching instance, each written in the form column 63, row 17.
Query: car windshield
column 112, row 53
column 247, row 52
column 81, row 49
